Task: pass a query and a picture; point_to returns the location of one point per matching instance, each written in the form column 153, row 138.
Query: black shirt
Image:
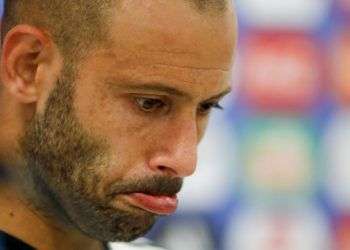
column 8, row 242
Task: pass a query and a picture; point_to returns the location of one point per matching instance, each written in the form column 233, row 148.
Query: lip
column 161, row 205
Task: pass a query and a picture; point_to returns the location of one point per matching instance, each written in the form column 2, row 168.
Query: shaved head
column 72, row 24
column 76, row 25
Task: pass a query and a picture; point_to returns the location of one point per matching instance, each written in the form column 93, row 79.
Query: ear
column 25, row 49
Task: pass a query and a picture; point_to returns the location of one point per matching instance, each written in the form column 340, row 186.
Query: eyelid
column 211, row 105
column 218, row 105
column 150, row 96
column 163, row 108
column 214, row 101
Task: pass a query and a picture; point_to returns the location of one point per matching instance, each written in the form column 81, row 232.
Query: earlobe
column 22, row 54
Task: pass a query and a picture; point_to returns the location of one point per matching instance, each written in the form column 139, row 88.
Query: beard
column 62, row 176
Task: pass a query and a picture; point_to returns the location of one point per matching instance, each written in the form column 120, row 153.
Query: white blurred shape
column 211, row 185
column 187, row 235
column 337, row 149
column 235, row 79
column 289, row 14
column 139, row 244
column 264, row 229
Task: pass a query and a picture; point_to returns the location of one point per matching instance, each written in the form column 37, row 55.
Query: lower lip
column 162, row 205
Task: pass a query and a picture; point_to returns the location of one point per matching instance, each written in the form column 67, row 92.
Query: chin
column 118, row 229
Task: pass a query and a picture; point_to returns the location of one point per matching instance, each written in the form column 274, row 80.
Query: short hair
column 74, row 25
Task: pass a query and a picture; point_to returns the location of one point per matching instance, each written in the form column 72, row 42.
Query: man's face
column 114, row 142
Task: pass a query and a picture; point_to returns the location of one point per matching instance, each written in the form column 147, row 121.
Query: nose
column 176, row 150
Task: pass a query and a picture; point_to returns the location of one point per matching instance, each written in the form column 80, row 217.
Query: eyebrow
column 161, row 87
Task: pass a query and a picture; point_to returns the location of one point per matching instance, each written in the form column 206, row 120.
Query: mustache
column 157, row 186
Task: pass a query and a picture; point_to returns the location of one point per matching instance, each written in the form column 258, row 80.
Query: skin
column 128, row 120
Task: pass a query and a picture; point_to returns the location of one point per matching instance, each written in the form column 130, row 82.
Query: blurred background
column 274, row 166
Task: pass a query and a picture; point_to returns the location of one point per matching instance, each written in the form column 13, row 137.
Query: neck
column 19, row 219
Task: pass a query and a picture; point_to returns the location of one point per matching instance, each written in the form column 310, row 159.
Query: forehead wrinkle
column 149, row 86
column 156, row 86
column 124, row 61
column 166, row 51
column 192, row 67
column 161, row 87
column 118, row 58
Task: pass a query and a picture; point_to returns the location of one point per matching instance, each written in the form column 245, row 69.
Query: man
column 102, row 105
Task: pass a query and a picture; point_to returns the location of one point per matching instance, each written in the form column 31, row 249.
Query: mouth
column 160, row 205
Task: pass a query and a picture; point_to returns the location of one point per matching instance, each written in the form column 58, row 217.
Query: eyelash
column 213, row 105
column 158, row 104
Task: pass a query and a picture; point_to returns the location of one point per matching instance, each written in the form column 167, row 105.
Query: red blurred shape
column 343, row 234
column 281, row 71
column 340, row 67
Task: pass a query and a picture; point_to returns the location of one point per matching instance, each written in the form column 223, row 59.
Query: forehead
column 173, row 32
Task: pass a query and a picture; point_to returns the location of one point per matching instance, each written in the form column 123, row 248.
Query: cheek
column 111, row 119
column 104, row 114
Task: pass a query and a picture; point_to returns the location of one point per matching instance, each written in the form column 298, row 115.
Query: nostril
column 166, row 170
column 162, row 168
